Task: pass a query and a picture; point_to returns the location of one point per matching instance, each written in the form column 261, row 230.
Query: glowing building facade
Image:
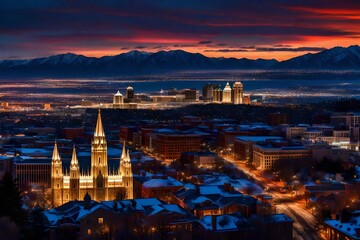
column 238, row 94
column 118, row 100
column 227, row 94
column 98, row 183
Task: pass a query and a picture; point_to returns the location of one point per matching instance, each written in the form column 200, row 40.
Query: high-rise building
column 207, row 92
column 246, row 99
column 226, row 94
column 191, row 95
column 129, row 93
column 98, row 182
column 217, row 94
column 238, row 94
column 118, row 100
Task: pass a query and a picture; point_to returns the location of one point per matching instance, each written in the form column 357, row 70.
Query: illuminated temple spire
column 74, row 161
column 56, row 155
column 99, row 131
column 123, row 152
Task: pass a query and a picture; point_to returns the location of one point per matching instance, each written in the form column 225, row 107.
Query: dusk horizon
column 304, row 52
column 276, row 29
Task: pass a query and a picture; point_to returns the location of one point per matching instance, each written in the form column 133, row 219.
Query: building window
column 89, row 231
column 58, row 186
column 100, row 220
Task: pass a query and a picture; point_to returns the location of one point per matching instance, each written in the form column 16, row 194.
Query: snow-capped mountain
column 334, row 59
column 134, row 62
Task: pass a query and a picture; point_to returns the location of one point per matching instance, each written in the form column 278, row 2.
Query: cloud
column 44, row 27
column 226, row 50
column 205, row 42
column 267, row 49
column 140, row 47
column 299, row 49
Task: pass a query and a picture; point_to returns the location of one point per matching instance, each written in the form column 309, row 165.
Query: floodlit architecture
column 129, row 93
column 226, row 94
column 118, row 100
column 238, row 93
column 217, row 94
column 98, row 182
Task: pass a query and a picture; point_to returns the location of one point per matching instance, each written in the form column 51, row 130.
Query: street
column 305, row 224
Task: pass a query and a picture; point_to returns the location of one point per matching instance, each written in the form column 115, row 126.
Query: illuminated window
column 100, row 220
column 89, row 231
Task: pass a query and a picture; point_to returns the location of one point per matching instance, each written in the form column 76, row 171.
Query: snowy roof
column 169, row 208
column 258, row 138
column 35, row 151
column 200, row 199
column 227, row 222
column 210, row 189
column 238, row 184
column 348, row 228
column 212, row 197
column 75, row 211
column 159, row 182
column 279, row 218
column 84, row 212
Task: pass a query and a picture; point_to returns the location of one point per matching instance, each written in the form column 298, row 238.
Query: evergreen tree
column 34, row 229
column 11, row 201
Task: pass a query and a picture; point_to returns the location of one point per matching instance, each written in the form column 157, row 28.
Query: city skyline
column 277, row 29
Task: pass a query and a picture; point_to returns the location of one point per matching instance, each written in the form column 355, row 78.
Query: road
column 305, row 224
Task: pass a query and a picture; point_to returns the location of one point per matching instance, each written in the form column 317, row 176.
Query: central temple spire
column 74, row 162
column 99, row 131
column 56, row 155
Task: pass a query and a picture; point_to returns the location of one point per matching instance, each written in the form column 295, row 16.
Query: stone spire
column 56, row 155
column 74, row 161
column 99, row 131
column 127, row 156
column 123, row 153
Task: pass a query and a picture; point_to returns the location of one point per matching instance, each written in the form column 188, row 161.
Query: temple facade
column 98, row 182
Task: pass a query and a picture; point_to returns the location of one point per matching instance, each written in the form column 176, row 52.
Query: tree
column 11, row 200
column 34, row 229
column 329, row 166
column 121, row 194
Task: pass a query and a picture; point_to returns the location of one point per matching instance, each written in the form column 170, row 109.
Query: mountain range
column 137, row 62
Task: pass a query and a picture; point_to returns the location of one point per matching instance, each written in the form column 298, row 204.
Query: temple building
column 98, row 182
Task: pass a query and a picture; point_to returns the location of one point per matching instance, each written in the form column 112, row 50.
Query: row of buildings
column 152, row 218
column 235, row 95
column 210, row 93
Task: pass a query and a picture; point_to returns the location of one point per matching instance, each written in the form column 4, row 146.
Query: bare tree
column 121, row 194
